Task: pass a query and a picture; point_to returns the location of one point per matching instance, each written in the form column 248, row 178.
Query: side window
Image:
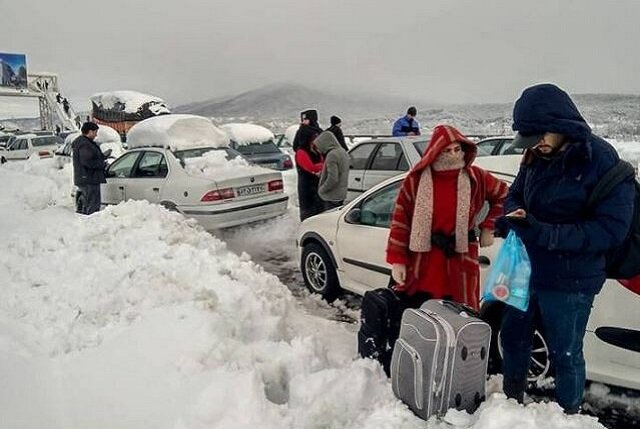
column 486, row 148
column 403, row 165
column 378, row 208
column 152, row 164
column 507, row 149
column 360, row 155
column 24, row 144
column 123, row 166
column 387, row 157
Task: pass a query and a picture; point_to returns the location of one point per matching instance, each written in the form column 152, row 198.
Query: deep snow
column 135, row 317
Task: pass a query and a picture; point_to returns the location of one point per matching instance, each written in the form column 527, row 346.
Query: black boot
column 514, row 388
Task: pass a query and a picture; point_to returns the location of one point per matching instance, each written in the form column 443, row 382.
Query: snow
column 629, row 151
column 131, row 101
column 244, row 134
column 290, row 133
column 214, row 165
column 136, row 317
column 107, row 138
column 176, row 132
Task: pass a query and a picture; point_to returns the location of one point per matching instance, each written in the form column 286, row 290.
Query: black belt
column 447, row 243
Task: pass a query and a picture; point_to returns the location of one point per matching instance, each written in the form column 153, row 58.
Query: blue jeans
column 564, row 319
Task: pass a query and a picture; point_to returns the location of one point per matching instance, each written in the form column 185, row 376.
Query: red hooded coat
column 432, row 271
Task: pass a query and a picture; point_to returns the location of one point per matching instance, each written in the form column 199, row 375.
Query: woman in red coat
column 432, row 244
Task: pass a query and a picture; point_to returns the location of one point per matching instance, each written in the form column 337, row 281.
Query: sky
column 433, row 50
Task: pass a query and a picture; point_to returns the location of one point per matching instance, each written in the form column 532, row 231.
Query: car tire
column 2, row 160
column 172, row 207
column 540, row 368
column 319, row 273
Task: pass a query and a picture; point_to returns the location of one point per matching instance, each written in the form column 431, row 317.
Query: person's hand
column 399, row 275
column 526, row 227
column 486, row 237
column 518, row 213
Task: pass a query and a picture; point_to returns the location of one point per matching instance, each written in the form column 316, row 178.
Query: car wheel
column 319, row 273
column 2, row 160
column 170, row 206
column 540, row 367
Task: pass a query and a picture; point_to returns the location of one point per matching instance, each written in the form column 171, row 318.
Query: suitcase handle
column 459, row 308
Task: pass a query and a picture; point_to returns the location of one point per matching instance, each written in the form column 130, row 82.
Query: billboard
column 13, row 71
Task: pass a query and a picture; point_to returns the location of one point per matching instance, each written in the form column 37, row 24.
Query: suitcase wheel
column 483, row 353
column 458, row 400
column 465, row 353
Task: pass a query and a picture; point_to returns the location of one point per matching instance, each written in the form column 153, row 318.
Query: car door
column 118, row 177
column 388, row 161
column 358, row 160
column 19, row 149
column 148, row 178
column 362, row 242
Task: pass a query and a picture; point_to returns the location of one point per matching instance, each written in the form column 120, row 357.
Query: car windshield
column 420, row 146
column 195, row 153
column 257, row 148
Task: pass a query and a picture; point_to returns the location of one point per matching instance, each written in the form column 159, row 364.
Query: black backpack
column 623, row 262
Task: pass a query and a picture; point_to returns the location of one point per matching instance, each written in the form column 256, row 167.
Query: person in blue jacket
column 566, row 243
column 407, row 125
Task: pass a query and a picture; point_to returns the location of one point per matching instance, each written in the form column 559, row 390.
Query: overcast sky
column 443, row 50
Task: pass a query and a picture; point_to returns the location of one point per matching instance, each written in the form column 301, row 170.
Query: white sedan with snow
column 183, row 162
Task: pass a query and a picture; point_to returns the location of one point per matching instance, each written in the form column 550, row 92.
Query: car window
column 403, row 165
column 508, row 149
column 360, row 155
column 22, row 144
column 486, row 148
column 122, row 166
column 377, row 209
column 257, row 148
column 152, row 164
column 387, row 157
column 45, row 141
column 420, row 147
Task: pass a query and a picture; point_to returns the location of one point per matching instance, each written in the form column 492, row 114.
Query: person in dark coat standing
column 65, row 106
column 407, row 125
column 566, row 243
column 336, row 130
column 309, row 128
column 88, row 168
column 309, row 166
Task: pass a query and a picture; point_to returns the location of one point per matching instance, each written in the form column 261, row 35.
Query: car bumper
column 234, row 214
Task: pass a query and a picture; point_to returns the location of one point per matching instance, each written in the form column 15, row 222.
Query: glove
column 502, row 227
column 527, row 228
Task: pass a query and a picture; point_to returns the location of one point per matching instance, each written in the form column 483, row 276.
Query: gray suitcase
column 440, row 359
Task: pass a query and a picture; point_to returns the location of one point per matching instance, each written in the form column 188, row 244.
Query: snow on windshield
column 215, row 165
column 176, row 132
column 244, row 134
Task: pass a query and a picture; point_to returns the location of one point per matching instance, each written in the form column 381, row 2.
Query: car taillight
column 217, row 195
column 275, row 185
column 287, row 163
column 632, row 284
column 44, row 153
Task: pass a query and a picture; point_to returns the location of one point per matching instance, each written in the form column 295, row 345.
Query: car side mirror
column 353, row 216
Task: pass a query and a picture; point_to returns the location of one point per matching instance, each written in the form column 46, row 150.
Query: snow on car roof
column 176, row 132
column 247, row 133
column 107, row 135
column 132, row 101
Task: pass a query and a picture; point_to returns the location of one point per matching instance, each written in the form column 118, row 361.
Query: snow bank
column 177, row 132
column 244, row 134
column 136, row 317
column 129, row 101
column 214, row 165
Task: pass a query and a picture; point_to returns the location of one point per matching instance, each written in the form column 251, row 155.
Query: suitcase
column 440, row 359
column 381, row 313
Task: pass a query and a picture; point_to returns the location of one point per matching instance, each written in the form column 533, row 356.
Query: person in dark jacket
column 309, row 128
column 336, row 130
column 88, row 168
column 546, row 207
column 407, row 125
column 309, row 166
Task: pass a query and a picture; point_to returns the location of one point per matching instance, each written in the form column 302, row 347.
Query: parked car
column 4, row 140
column 258, row 145
column 23, row 146
column 374, row 161
column 184, row 163
column 108, row 139
column 494, row 146
column 344, row 249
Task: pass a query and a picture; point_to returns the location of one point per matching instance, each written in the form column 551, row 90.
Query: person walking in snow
column 58, row 98
column 309, row 128
column 407, row 125
column 336, row 129
column 89, row 164
column 65, row 106
column 309, row 166
column 332, row 188
column 433, row 246
column 546, row 207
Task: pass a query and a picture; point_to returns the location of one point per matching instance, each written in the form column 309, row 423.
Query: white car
column 107, row 139
column 183, row 162
column 373, row 161
column 25, row 145
column 345, row 249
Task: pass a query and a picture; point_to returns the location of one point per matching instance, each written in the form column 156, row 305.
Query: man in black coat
column 88, row 169
column 336, row 130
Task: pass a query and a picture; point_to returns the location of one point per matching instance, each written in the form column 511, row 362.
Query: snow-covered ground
column 135, row 317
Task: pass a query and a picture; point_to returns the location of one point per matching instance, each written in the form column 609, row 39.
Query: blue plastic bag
column 508, row 279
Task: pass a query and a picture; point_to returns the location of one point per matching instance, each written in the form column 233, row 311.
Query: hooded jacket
column 431, row 271
column 565, row 241
column 335, row 172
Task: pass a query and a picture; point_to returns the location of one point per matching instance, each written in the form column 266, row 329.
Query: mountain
column 288, row 100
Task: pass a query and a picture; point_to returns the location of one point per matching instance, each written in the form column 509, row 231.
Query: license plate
column 271, row 165
column 250, row 190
